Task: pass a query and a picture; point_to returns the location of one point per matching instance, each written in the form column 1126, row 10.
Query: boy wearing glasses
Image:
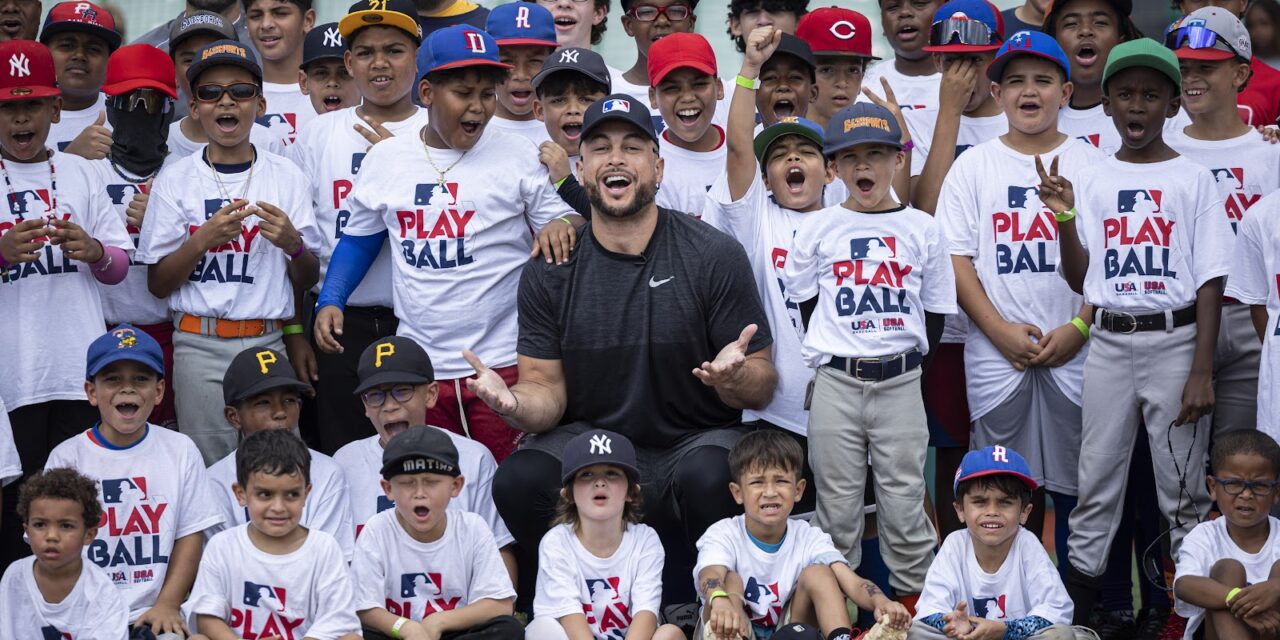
column 646, row 21
column 227, row 243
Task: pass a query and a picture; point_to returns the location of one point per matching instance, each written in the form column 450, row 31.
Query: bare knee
column 668, row 632
column 1228, row 572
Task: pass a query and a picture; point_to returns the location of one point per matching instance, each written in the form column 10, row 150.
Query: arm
column 643, row 626
column 1197, row 393
column 214, row 628
column 868, row 597
column 723, row 614
column 1202, row 591
column 535, row 404
column 1258, row 313
column 575, row 626
column 574, row 195
column 1057, row 193
column 184, row 560
column 957, row 81
column 347, row 267
column 740, row 161
column 508, row 554
column 466, row 617
column 742, row 380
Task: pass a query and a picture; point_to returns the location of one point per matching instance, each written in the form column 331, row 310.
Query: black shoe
column 1151, row 623
column 1116, row 625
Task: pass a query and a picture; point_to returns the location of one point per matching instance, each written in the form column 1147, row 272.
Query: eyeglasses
column 150, row 100
column 649, row 13
column 970, row 32
column 376, row 397
column 1235, row 487
column 1197, row 37
column 239, row 91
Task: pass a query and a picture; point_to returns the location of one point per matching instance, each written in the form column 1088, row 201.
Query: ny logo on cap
column 569, row 57
column 474, row 42
column 617, row 104
column 601, row 444
column 265, row 360
column 843, row 29
column 19, row 65
column 999, row 454
column 332, row 37
column 384, row 350
column 522, row 18
column 126, row 337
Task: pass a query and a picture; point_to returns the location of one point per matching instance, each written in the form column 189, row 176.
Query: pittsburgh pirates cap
column 125, row 342
column 206, row 22
column 420, row 449
column 993, row 460
column 618, row 106
column 220, row 53
column 393, row 360
column 598, row 446
column 85, row 17
column 576, row 59
column 26, row 71
column 323, row 42
column 257, row 370
column 861, row 123
column 401, row 14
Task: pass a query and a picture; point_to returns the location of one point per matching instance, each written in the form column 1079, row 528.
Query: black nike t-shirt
column 629, row 330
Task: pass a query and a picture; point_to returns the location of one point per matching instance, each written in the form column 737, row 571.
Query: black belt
column 380, row 311
column 1121, row 322
column 878, row 369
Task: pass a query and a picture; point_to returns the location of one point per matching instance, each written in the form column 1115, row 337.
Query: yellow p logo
column 265, row 358
column 384, row 350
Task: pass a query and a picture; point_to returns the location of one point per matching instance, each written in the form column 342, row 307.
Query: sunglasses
column 967, row 32
column 1233, row 487
column 649, row 13
column 239, row 91
column 1197, row 37
column 376, row 397
column 149, row 100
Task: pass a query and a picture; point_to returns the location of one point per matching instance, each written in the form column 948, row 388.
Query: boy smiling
column 685, row 90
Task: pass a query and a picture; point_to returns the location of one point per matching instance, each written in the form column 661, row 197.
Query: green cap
column 1143, row 52
column 790, row 125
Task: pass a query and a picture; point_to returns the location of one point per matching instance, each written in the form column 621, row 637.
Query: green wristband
column 293, row 330
column 747, row 83
column 1235, row 591
column 1066, row 216
column 1079, row 324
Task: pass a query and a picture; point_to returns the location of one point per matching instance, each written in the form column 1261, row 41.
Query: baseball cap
column 836, row 31
column 85, row 17
column 206, row 22
column 790, row 45
column 1210, row 34
column 993, row 460
column 1028, row 43
column 139, row 66
column 323, row 42
column 461, row 45
column 797, row 631
column 861, row 123
column 1122, row 8
column 256, row 370
column 963, row 26
column 598, row 446
column 223, row 52
column 790, row 125
column 125, row 342
column 420, row 449
column 680, row 50
column 577, row 59
column 401, row 14
column 392, row 360
column 1142, row 52
column 619, row 106
column 26, row 71
column 522, row 23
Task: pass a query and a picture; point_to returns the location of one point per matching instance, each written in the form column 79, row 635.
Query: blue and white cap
column 522, row 23
column 125, row 342
column 993, row 460
column 1028, row 43
column 461, row 45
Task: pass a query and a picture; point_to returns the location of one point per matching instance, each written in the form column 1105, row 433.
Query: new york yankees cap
column 576, row 59
column 393, row 360
column 618, row 106
column 26, row 71
column 597, row 446
column 461, row 45
column 420, row 449
column 256, row 370
column 401, row 14
column 861, row 123
column 522, row 23
column 139, row 66
column 993, row 460
column 124, row 342
column 323, row 42
column 1028, row 43
column 836, row 31
column 206, row 22
column 223, row 52
column 85, row 17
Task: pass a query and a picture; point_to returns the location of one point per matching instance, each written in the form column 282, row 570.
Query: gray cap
column 198, row 22
column 861, row 123
column 1210, row 21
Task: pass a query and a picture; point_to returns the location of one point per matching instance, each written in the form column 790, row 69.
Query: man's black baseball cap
column 393, row 360
column 577, row 59
column 323, row 42
column 598, row 447
column 257, row 370
column 618, row 106
column 420, row 449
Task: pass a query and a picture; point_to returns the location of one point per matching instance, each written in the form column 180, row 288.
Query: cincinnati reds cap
column 963, row 26
column 619, row 106
column 26, row 71
column 323, row 42
column 256, row 370
column 677, row 51
column 223, row 52
column 990, row 461
column 125, row 342
column 598, row 446
column 1210, row 34
column 861, row 123
column 836, row 31
column 206, row 22
column 139, row 66
column 85, row 17
column 1028, row 43
column 393, row 360
column 577, row 59
column 420, row 449
column 461, row 45
column 401, row 14
column 522, row 23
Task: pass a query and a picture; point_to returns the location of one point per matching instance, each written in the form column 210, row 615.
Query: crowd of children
column 1049, row 252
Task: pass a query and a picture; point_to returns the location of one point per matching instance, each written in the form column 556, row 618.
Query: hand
column 1015, row 343
column 1056, row 191
column 760, row 44
column 1266, row 622
column 1058, row 347
column 94, row 143
column 726, row 620
column 892, row 614
column 555, row 159
column 1197, row 399
column 1270, row 134
column 374, row 133
column 413, row 630
column 490, row 387
column 431, row 628
column 24, row 241
column 137, row 209
column 556, row 240
column 303, row 358
column 163, row 618
column 726, row 369
column 224, row 225
column 278, row 229
column 890, row 102
column 328, row 329
column 75, row 241
column 957, row 85
column 957, row 621
column 1255, row 599
column 983, row 629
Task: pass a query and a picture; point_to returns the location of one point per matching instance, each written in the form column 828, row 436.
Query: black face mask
column 139, row 139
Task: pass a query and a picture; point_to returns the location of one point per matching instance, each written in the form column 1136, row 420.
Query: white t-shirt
column 765, row 230
column 152, row 494
column 875, row 275
column 608, row 591
column 361, row 462
column 687, row 175
column 330, row 153
column 1208, row 543
column 414, row 579
column 180, row 146
column 51, row 306
column 247, row 278
column 768, row 578
column 458, row 248
column 1255, row 273
column 1027, row 584
column 619, row 84
column 534, row 130
column 914, row 93
column 128, row 301
column 10, row 464
column 990, row 211
column 92, row 611
column 1246, row 167
column 287, row 110
column 305, row 593
column 1155, row 232
column 72, row 123
column 326, row 509
column 1094, row 126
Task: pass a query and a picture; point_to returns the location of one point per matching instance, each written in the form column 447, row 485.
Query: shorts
column 946, row 401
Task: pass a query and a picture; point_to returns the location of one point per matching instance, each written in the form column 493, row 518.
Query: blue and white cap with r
column 994, row 460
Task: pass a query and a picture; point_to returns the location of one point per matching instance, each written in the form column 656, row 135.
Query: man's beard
column 216, row 6
column 641, row 198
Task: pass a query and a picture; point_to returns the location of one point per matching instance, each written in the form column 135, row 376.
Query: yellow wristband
column 565, row 219
column 747, row 83
column 293, row 330
column 1079, row 324
column 1065, row 216
column 395, row 628
column 1233, row 593
column 718, row 593
column 560, row 181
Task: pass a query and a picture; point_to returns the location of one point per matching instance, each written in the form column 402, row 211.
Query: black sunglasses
column 239, row 91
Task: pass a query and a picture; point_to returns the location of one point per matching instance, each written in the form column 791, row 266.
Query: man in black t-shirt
column 652, row 328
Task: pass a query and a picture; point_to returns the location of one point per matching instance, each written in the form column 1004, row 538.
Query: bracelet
column 1066, row 216
column 565, row 219
column 1080, row 325
column 395, row 628
column 718, row 593
column 292, row 330
column 559, row 182
column 302, row 246
column 747, row 83
column 1235, row 591
column 908, row 145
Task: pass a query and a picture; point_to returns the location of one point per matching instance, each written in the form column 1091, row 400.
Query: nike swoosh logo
column 653, row 284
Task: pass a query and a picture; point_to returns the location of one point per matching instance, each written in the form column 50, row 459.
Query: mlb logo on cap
column 522, row 23
column 994, row 460
column 616, row 104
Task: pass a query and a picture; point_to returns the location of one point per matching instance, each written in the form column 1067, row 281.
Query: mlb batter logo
column 211, row 206
column 990, row 608
column 617, row 104
column 122, row 194
column 30, row 202
column 1140, row 201
column 124, row 491
column 762, row 602
column 1024, row 197
column 262, row 596
column 607, row 612
column 51, row 633
column 284, row 125
column 436, row 195
column 881, row 249
column 264, row 613
column 421, row 594
column 1094, row 139
column 1240, row 195
column 356, row 160
column 413, row 585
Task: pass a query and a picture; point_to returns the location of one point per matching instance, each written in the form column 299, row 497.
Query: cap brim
column 961, row 48
column 112, row 38
column 120, row 357
column 132, row 84
column 847, row 54
column 1027, row 480
column 357, row 20
column 995, row 70
column 771, row 133
column 696, row 65
column 467, row 63
column 620, row 117
column 632, row 472
column 390, row 377
column 529, row 42
column 832, row 150
column 326, row 56
column 1212, row 55
column 267, row 384
column 28, row 93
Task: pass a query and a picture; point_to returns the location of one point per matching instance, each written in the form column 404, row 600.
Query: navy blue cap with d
column 223, row 52
column 598, row 446
column 861, row 123
column 522, row 23
column 994, row 460
column 323, row 42
column 1028, row 43
column 125, row 342
column 461, row 45
column 618, row 106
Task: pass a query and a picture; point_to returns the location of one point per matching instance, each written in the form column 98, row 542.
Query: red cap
column 140, row 66
column 26, row 71
column 680, row 50
column 85, row 17
column 836, row 31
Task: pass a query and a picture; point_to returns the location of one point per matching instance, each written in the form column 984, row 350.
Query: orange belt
column 227, row 328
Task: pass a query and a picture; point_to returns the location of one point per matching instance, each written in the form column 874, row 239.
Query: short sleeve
column 819, row 549
column 10, row 464
column 938, row 287
column 1249, row 282
column 209, row 592
column 800, row 274
column 105, row 225
column 734, row 299
column 957, row 210
column 163, row 232
column 1045, row 590
column 1213, row 239
column 335, row 601
column 332, row 514
column 199, row 508
column 716, row 548
column 1195, row 558
column 740, row 218
column 302, row 210
column 538, row 318
column 646, row 586
column 489, row 577
column 363, row 201
column 369, row 572
column 939, row 594
column 542, row 203
column 558, row 593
